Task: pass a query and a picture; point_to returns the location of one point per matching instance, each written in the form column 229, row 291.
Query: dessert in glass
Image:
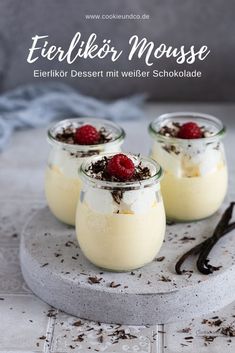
column 189, row 148
column 72, row 141
column 120, row 221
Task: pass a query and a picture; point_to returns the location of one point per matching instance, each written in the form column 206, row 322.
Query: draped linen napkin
column 36, row 105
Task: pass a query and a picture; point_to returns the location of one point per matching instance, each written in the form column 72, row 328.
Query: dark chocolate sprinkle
column 93, row 280
column 67, row 135
column 114, row 285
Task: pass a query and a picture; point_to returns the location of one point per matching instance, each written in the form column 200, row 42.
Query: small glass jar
column 195, row 179
column 62, row 184
column 120, row 226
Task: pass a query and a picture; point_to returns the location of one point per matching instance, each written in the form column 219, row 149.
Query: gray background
column 182, row 22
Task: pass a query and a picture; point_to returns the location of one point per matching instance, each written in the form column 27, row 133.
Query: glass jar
column 195, row 179
column 120, row 226
column 62, row 184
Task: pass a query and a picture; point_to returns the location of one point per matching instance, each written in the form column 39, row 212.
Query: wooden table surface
column 29, row 325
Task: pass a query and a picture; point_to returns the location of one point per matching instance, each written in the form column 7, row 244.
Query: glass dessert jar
column 120, row 225
column 62, row 184
column 189, row 148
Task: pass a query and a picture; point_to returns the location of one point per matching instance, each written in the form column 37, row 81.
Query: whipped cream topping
column 125, row 201
column 66, row 156
column 65, row 162
column 172, row 129
column 132, row 201
column 67, row 134
column 68, row 163
column 143, row 169
column 189, row 160
column 64, row 132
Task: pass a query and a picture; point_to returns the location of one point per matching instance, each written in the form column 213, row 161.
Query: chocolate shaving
column 51, row 313
column 57, row 254
column 117, row 196
column 105, row 135
column 77, row 323
column 82, row 154
column 121, row 334
column 173, row 130
column 69, row 243
column 186, row 239
column 141, row 173
column 67, row 135
column 93, row 280
column 80, row 338
column 98, row 167
column 228, row 331
column 101, row 339
column 209, row 338
column 170, row 131
column 98, row 170
column 185, row 330
column 204, row 248
column 217, row 322
column 114, row 285
column 165, row 279
column 171, row 148
column 212, row 322
column 160, row 259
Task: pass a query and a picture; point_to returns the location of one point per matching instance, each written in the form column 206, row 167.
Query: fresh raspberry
column 87, row 135
column 121, row 167
column 190, row 131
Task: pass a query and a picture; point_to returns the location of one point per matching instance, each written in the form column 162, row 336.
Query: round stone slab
column 57, row 272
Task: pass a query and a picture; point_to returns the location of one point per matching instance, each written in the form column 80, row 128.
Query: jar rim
column 83, row 120
column 186, row 115
column 110, row 185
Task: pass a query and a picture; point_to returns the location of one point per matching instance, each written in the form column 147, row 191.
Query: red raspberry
column 121, row 167
column 190, row 131
column 87, row 135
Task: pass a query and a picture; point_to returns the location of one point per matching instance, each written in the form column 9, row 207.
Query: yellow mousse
column 192, row 198
column 120, row 242
column 62, row 193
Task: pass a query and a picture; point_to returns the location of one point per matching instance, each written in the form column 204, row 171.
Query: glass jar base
column 103, row 268
column 172, row 220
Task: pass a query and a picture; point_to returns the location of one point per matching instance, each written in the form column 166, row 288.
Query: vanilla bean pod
column 202, row 262
column 194, row 251
column 221, row 229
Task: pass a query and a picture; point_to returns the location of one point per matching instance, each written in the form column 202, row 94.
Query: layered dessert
column 188, row 146
column 120, row 222
column 72, row 141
